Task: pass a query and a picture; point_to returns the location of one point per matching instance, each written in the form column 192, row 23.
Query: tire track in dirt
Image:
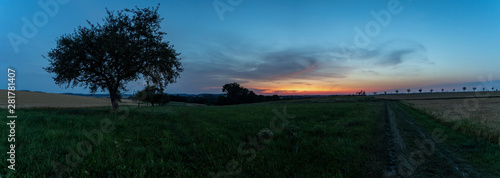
column 414, row 152
column 394, row 141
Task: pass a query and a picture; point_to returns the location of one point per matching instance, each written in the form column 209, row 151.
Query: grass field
column 306, row 140
column 320, row 137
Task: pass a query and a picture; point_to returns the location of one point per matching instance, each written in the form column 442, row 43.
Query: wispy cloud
column 392, row 53
column 222, row 64
column 270, row 66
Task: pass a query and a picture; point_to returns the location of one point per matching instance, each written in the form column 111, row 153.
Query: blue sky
column 284, row 46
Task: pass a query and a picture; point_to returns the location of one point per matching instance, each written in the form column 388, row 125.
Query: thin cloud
column 389, row 54
column 279, row 65
column 394, row 57
column 209, row 70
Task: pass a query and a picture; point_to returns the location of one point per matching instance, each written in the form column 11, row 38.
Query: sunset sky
column 285, row 46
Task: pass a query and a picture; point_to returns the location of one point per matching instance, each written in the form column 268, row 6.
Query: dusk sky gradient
column 286, row 46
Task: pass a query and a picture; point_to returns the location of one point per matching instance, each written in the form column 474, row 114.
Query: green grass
column 321, row 140
column 482, row 154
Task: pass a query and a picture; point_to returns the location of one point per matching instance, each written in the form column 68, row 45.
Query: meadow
column 342, row 136
column 280, row 139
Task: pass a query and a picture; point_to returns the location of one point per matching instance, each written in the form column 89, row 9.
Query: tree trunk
column 115, row 104
column 114, row 98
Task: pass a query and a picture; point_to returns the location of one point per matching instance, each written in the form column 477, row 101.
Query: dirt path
column 415, row 152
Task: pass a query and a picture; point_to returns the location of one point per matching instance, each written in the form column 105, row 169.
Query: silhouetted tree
column 261, row 98
column 453, row 90
column 222, row 100
column 492, row 88
column 408, row 91
column 385, row 93
column 139, row 97
column 235, row 93
column 474, row 88
column 397, row 91
column 252, row 97
column 133, row 98
column 273, row 98
column 151, row 94
column 178, row 98
column 484, row 89
column 361, row 93
column 420, row 90
column 432, row 90
column 442, row 90
column 127, row 46
column 465, row 88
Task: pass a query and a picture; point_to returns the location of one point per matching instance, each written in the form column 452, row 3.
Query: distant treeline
column 233, row 94
column 207, row 99
column 250, row 98
column 164, row 98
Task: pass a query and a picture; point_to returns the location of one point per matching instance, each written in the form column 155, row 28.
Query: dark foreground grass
column 320, row 140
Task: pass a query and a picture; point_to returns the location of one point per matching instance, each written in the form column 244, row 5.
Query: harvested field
column 28, row 99
column 479, row 117
column 439, row 95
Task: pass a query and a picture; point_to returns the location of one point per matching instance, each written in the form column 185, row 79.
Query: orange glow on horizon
column 313, row 87
column 306, row 91
column 322, row 87
column 293, row 92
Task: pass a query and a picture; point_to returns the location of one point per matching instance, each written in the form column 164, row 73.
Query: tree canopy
column 152, row 95
column 237, row 94
column 127, row 46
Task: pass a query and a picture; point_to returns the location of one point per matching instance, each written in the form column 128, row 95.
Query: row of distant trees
column 151, row 94
column 432, row 90
column 161, row 99
column 156, row 97
column 234, row 93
